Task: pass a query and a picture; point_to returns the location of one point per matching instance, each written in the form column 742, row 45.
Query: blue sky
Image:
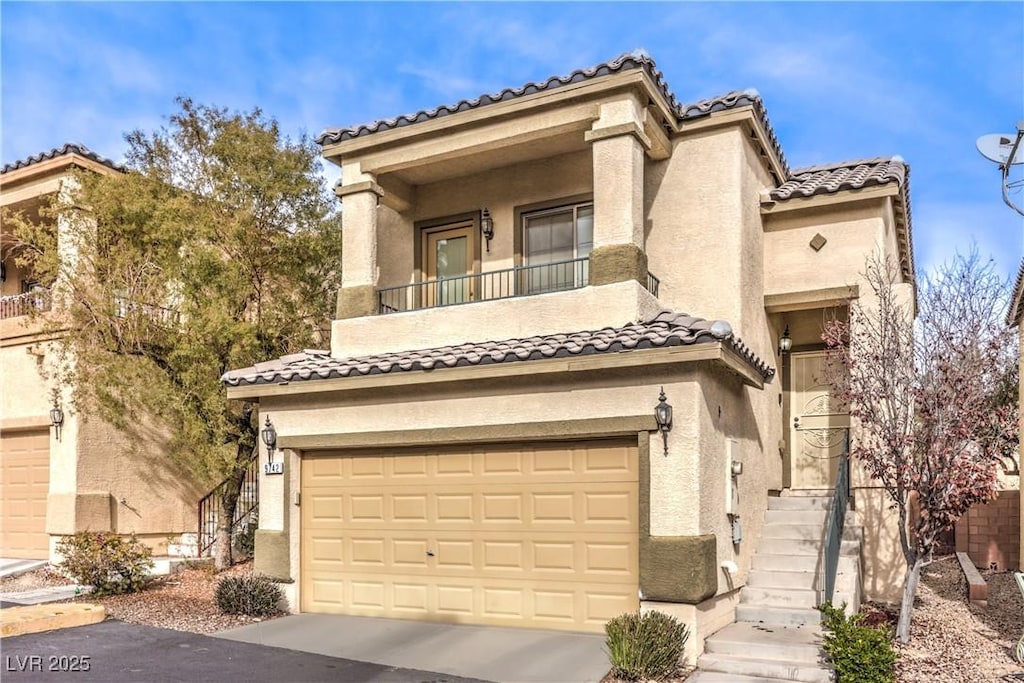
column 840, row 81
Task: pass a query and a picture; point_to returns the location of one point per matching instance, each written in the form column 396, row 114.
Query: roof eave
column 703, row 351
column 592, row 88
column 54, row 166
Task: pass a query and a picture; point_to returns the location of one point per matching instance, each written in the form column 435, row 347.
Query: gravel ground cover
column 954, row 641
column 183, row 601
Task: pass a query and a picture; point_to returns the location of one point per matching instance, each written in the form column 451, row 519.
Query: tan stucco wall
column 883, row 568
column 23, row 393
column 590, row 308
column 853, row 231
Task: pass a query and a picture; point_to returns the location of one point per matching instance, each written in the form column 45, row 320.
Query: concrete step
column 773, row 668
column 782, row 616
column 717, row 677
column 777, row 561
column 779, row 597
column 165, row 566
column 764, row 578
column 789, row 643
column 818, row 517
column 799, row 503
column 803, row 493
column 807, row 531
column 790, row 546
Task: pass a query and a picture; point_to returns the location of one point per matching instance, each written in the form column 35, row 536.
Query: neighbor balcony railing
column 22, row 304
column 496, row 284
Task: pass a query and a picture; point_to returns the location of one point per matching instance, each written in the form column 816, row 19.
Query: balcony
column 491, row 286
column 17, row 305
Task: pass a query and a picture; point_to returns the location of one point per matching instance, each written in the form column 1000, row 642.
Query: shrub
column 859, row 653
column 245, row 540
column 645, row 647
column 109, row 563
column 254, row 595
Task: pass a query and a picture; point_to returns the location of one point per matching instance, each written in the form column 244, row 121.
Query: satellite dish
column 1005, row 150
column 998, row 147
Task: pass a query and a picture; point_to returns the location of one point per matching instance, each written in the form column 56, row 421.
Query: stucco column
column 618, row 145
column 360, row 197
column 272, row 551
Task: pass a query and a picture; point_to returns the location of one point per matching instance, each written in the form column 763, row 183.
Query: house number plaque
column 273, row 468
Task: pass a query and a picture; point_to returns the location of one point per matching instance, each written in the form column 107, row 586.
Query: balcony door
column 448, row 255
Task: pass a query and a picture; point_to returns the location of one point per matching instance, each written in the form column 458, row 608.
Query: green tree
column 218, row 248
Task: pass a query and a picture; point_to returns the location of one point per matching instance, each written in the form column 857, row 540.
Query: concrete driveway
column 509, row 655
column 121, row 653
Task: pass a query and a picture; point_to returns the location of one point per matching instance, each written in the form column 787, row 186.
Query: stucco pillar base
column 678, row 568
column 356, row 302
column 271, row 556
column 69, row 513
column 618, row 263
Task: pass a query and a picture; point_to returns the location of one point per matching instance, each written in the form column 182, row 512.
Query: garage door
column 24, row 483
column 543, row 535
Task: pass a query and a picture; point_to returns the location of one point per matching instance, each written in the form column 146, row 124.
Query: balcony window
column 555, row 236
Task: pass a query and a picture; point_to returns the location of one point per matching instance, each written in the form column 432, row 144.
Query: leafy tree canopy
column 220, row 247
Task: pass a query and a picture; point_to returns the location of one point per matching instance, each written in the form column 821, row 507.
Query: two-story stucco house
column 526, row 276
column 80, row 475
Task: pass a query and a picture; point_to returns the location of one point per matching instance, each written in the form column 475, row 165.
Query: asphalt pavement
column 118, row 652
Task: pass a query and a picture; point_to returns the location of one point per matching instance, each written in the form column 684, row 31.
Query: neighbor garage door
column 24, row 484
column 538, row 535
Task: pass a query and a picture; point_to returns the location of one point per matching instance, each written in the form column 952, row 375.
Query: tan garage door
column 538, row 535
column 24, row 483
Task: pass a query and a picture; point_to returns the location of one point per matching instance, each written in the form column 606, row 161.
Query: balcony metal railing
column 22, row 304
column 496, row 284
column 653, row 284
column 160, row 315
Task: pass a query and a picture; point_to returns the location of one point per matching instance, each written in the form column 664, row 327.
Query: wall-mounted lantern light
column 487, row 226
column 785, row 341
column 269, row 436
column 663, row 415
column 56, row 417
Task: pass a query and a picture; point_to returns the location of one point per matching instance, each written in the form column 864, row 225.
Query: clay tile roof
column 847, row 175
column 1015, row 314
column 638, row 59
column 65, row 149
column 663, row 330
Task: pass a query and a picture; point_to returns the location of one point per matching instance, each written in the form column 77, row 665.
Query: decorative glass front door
column 818, row 422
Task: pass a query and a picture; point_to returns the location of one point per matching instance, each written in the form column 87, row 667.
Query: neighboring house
column 524, row 275
column 84, row 476
column 1014, row 317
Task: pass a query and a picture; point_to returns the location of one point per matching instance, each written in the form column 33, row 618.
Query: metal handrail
column 836, row 521
column 653, row 283
column 210, row 505
column 492, row 285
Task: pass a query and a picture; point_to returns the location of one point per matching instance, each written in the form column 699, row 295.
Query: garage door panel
column 24, row 486
column 527, row 535
column 553, row 506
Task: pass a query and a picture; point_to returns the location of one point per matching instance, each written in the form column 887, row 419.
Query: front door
column 818, row 423
column 448, row 264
